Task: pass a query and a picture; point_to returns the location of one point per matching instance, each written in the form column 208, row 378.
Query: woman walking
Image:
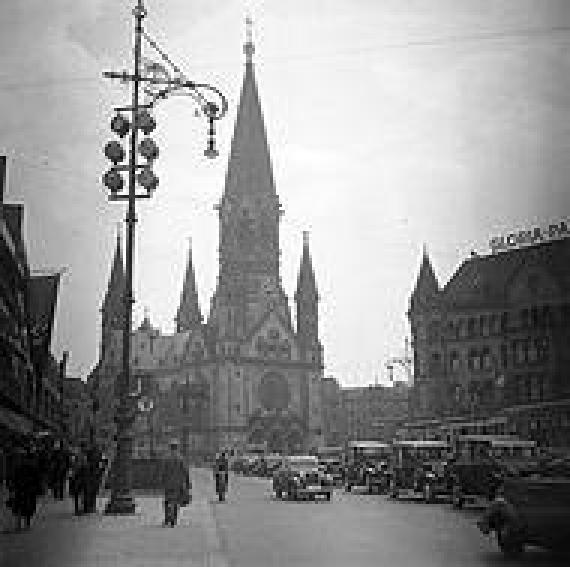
column 176, row 484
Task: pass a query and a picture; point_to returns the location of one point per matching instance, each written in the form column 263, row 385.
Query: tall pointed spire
column 113, row 303
column 249, row 168
column 427, row 285
column 188, row 315
column 306, row 282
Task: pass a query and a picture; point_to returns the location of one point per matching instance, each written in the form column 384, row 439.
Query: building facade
column 30, row 377
column 374, row 412
column 247, row 375
column 493, row 341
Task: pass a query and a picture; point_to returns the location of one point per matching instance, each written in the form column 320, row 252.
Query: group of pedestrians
column 38, row 467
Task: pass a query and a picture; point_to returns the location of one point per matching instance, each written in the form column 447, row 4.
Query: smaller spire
column 249, row 47
column 188, row 315
column 306, row 282
column 427, row 285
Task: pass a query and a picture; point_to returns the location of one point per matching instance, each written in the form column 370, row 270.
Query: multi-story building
column 79, row 412
column 334, row 422
column 247, row 375
column 374, row 412
column 30, row 378
column 493, row 342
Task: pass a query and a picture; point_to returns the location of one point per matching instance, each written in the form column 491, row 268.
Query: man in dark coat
column 176, row 484
column 77, row 481
column 26, row 486
column 93, row 473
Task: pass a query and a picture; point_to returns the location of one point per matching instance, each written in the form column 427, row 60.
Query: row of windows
column 520, row 352
column 494, row 324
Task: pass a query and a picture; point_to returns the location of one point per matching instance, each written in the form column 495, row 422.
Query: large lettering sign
column 529, row 237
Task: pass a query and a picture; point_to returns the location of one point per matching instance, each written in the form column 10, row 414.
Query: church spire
column 306, row 282
column 427, row 286
column 113, row 303
column 188, row 315
column 249, row 168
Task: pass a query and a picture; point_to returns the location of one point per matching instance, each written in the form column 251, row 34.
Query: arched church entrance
column 275, row 425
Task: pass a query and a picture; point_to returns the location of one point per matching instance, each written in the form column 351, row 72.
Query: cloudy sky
column 391, row 124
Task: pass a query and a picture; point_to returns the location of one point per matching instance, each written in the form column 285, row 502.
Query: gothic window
column 454, row 361
column 525, row 319
column 504, row 321
column 484, row 324
column 504, row 355
column 495, row 324
column 487, row 359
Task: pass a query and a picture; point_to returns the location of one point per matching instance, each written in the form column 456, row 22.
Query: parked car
column 301, row 477
column 367, row 465
column 532, row 509
column 481, row 463
column 419, row 467
column 334, row 467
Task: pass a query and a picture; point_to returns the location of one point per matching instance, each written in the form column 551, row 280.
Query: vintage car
column 419, row 467
column 299, row 477
column 331, row 462
column 532, row 509
column 482, row 461
column 367, row 465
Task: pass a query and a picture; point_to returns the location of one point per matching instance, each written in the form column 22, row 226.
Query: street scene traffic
column 285, row 283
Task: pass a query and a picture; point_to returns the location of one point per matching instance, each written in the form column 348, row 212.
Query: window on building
column 495, row 324
column 504, row 355
column 471, row 327
column 532, row 351
column 543, row 349
column 484, row 324
column 525, row 318
column 504, row 321
column 487, row 359
column 454, row 361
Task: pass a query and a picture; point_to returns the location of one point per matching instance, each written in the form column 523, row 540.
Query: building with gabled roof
column 492, row 342
column 247, row 375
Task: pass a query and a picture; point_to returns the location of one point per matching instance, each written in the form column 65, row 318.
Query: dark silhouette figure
column 176, row 484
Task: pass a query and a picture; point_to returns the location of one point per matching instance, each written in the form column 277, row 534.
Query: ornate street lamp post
column 156, row 82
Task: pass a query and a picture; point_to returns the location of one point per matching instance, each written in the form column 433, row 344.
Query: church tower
column 188, row 316
column 249, row 214
column 113, row 307
column 307, row 300
column 425, row 318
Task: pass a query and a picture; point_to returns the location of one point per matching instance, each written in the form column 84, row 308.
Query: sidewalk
column 60, row 539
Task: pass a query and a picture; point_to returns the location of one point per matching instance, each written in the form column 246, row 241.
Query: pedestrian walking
column 176, row 484
column 92, row 480
column 26, row 486
column 77, row 482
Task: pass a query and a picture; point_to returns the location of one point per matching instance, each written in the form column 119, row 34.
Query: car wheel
column 509, row 542
column 456, row 497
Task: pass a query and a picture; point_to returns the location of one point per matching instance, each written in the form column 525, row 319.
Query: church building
column 246, row 375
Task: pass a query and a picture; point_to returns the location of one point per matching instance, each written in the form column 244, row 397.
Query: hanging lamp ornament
column 146, row 122
column 148, row 180
column 114, row 151
column 113, row 181
column 120, row 125
column 210, row 111
column 148, row 149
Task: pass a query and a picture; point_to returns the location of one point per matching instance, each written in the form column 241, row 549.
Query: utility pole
column 156, row 83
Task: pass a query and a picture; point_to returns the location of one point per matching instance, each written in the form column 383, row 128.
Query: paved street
column 254, row 529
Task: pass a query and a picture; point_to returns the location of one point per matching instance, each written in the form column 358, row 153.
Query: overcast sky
column 391, row 124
